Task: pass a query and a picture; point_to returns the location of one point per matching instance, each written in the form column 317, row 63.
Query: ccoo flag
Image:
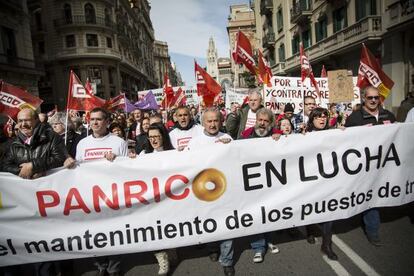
column 370, row 73
column 242, row 52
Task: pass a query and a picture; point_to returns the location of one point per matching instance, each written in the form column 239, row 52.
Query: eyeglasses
column 310, row 103
column 323, row 116
column 373, row 98
column 154, row 137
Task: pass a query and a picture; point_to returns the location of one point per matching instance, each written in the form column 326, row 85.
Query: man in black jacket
column 371, row 113
column 36, row 148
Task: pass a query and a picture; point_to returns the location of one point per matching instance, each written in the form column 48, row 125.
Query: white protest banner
column 189, row 91
column 160, row 200
column 291, row 90
column 235, row 95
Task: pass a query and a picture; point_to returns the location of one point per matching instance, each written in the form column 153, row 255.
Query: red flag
column 88, row 87
column 13, row 99
column 206, row 85
column 179, row 98
column 323, row 72
column 265, row 73
column 370, row 73
column 306, row 69
column 168, row 92
column 117, row 102
column 79, row 98
column 242, row 52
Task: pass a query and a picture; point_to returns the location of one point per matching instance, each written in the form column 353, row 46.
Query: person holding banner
column 36, row 149
column 244, row 118
column 211, row 134
column 319, row 120
column 262, row 128
column 371, row 113
column 102, row 144
column 301, row 119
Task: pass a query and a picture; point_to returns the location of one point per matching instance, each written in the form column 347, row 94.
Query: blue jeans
column 226, row 253
column 258, row 243
column 372, row 222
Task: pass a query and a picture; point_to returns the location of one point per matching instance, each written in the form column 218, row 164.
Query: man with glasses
column 371, row 113
column 300, row 120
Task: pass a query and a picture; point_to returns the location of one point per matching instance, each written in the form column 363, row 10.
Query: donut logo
column 209, row 176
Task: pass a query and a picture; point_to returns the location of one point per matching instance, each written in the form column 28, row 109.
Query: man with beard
column 185, row 129
column 264, row 127
column 35, row 150
column 371, row 113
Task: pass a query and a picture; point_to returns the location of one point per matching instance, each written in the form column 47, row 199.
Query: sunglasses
column 373, row 98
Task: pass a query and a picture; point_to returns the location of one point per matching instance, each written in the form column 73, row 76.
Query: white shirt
column 91, row 148
column 181, row 138
column 410, row 116
column 205, row 139
column 251, row 119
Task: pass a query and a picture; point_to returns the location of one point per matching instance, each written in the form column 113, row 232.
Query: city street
column 356, row 255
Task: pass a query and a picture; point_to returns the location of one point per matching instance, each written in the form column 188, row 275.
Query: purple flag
column 148, row 102
column 129, row 107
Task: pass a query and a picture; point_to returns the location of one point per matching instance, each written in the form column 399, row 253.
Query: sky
column 187, row 25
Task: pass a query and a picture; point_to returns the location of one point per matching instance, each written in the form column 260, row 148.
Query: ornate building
column 17, row 64
column 241, row 18
column 109, row 42
column 162, row 64
column 212, row 68
column 332, row 32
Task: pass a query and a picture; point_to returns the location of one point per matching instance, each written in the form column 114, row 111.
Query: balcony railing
column 81, row 20
column 269, row 39
column 88, row 52
column 266, row 7
column 300, row 11
column 368, row 28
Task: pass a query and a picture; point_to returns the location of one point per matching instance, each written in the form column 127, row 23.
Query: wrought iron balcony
column 300, row 11
column 81, row 20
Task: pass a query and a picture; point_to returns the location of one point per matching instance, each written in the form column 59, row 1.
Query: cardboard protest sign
column 341, row 87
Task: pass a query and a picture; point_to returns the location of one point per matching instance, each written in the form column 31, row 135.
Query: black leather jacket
column 46, row 151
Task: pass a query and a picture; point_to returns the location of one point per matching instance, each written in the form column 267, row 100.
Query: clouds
column 187, row 25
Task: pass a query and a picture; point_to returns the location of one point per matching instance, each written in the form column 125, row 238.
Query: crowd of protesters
column 36, row 144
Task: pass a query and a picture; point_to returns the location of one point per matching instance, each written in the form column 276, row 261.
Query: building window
column 295, row 44
column 92, row 40
column 70, row 41
column 108, row 42
column 272, row 57
column 107, row 17
column 9, row 42
column 279, row 16
column 281, row 50
column 90, row 16
column 41, row 47
column 364, row 8
column 67, row 13
column 307, row 38
column 38, row 20
column 321, row 29
column 339, row 19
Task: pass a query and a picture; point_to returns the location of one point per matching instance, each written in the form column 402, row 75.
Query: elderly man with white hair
column 67, row 132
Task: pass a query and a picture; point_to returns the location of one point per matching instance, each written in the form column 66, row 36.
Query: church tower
column 212, row 67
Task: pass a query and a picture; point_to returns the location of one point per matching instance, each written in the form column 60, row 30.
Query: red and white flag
column 89, row 88
column 306, row 70
column 117, row 102
column 13, row 99
column 370, row 73
column 207, row 87
column 179, row 98
column 323, row 72
column 168, row 92
column 265, row 73
column 80, row 98
column 242, row 52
